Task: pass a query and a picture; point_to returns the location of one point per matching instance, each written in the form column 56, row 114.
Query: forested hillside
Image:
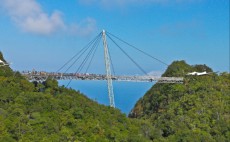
column 45, row 112
column 197, row 110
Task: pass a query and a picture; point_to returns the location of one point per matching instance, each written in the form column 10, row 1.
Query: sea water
column 126, row 94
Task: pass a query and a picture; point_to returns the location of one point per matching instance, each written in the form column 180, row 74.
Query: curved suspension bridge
column 42, row 76
column 90, row 50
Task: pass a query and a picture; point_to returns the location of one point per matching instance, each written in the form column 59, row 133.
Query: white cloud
column 118, row 2
column 29, row 16
column 108, row 3
column 84, row 28
column 121, row 3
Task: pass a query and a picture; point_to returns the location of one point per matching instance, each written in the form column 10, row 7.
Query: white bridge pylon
column 108, row 71
column 90, row 50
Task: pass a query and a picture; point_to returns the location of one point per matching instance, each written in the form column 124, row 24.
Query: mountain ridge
column 197, row 110
column 48, row 112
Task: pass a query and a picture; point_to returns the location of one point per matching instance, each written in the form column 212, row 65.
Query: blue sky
column 44, row 34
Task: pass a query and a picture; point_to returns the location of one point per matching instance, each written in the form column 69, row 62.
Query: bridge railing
column 42, row 76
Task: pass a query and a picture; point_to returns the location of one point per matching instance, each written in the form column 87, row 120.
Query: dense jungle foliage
column 197, row 110
column 45, row 112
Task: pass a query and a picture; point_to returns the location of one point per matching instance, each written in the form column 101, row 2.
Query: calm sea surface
column 126, row 94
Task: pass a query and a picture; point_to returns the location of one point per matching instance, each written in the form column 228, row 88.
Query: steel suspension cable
column 82, row 54
column 84, row 48
column 92, row 57
column 88, row 55
column 111, row 62
column 85, row 59
column 139, row 49
column 128, row 56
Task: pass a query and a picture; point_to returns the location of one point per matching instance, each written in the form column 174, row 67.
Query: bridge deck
column 70, row 76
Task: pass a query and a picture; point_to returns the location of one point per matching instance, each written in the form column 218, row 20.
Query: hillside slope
column 46, row 112
column 197, row 110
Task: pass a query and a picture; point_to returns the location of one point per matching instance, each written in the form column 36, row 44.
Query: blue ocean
column 126, row 94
